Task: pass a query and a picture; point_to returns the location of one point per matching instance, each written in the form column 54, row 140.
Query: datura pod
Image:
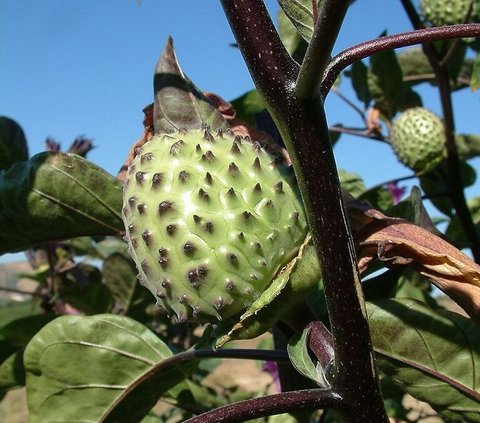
column 211, row 219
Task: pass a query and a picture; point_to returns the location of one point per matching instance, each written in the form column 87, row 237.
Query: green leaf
column 297, row 280
column 413, row 209
column 300, row 13
column 120, row 276
column 413, row 285
column 468, row 145
column 455, row 230
column 12, row 372
column 385, row 82
column 81, row 286
column 178, row 102
column 415, row 66
column 56, row 196
column 110, row 246
column 297, row 349
column 475, row 80
column 17, row 310
column 437, row 185
column 20, row 331
column 351, row 182
column 13, row 144
column 247, row 105
column 433, row 355
column 96, row 369
column 291, row 38
column 359, row 78
column 379, row 197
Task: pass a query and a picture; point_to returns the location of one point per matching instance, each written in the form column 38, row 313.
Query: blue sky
column 70, row 68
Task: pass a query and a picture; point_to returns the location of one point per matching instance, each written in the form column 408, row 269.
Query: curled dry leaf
column 399, row 242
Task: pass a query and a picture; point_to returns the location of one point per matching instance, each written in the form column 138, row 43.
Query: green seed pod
column 445, row 12
column 418, row 139
column 210, row 219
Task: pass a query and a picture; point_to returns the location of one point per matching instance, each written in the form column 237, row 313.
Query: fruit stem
column 457, row 193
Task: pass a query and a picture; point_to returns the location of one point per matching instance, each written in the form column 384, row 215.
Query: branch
column 271, row 67
column 302, row 124
column 369, row 48
column 318, row 52
column 270, row 405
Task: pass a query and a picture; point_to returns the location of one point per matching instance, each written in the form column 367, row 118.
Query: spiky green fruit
column 445, row 12
column 418, row 139
column 209, row 221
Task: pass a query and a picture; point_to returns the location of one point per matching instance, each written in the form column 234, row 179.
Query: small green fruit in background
column 445, row 12
column 418, row 139
column 210, row 219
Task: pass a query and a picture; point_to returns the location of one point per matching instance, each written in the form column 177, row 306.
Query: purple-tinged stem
column 284, row 402
column 300, row 118
column 360, row 51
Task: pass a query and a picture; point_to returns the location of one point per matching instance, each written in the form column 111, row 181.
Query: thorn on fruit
column 140, row 176
column 256, row 164
column 203, row 194
column 208, row 178
column 176, row 146
column 208, row 156
column 164, row 207
column 157, row 180
column 171, row 229
column 183, row 176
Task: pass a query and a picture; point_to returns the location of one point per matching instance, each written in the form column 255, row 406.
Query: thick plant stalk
column 297, row 110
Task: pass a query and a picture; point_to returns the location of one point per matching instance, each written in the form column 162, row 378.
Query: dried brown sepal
column 399, row 242
column 146, row 136
column 239, row 127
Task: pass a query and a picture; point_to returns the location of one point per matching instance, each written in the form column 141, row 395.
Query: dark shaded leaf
column 382, row 286
column 475, row 80
column 109, row 246
column 297, row 349
column 291, row 38
column 56, row 196
column 109, row 362
column 17, row 310
column 410, row 98
column 437, row 186
column 455, row 230
column 432, row 355
column 120, row 276
column 385, row 83
column 82, row 288
column 468, row 145
column 351, row 182
column 378, row 197
column 12, row 372
column 413, row 285
column 247, row 105
column 178, row 102
column 300, row 13
column 19, row 332
column 415, row 66
column 13, row 144
column 359, row 77
column 413, row 209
